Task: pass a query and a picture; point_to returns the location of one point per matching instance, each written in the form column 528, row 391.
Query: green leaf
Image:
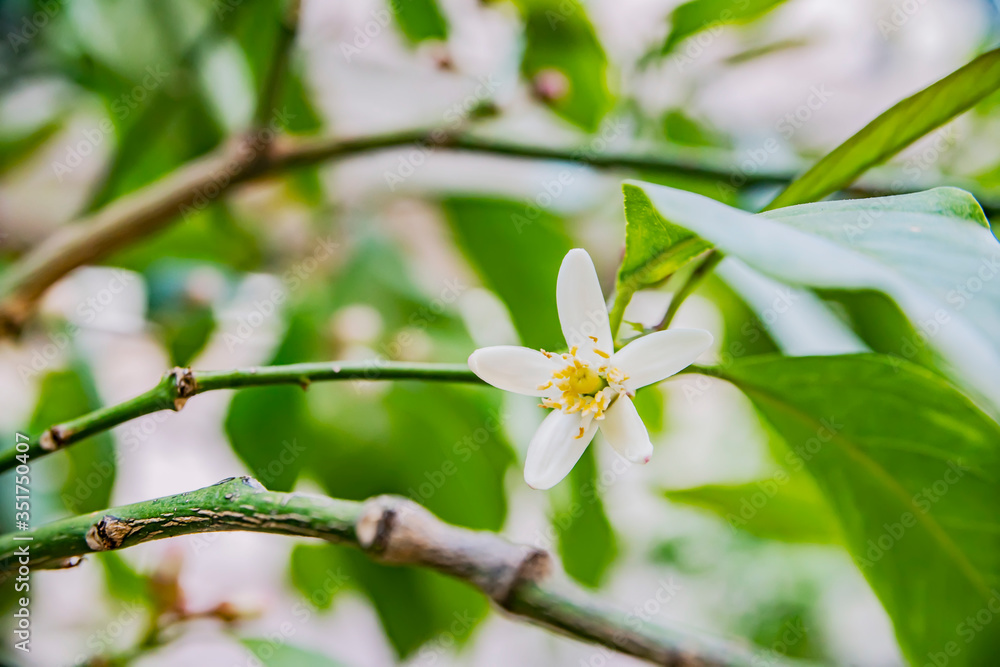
column 654, row 249
column 123, row 581
column 698, row 15
column 878, row 321
column 184, row 320
column 680, row 128
column 560, row 40
column 649, row 404
column 277, row 653
column 420, row 20
column 931, row 252
column 587, row 545
column 65, row 395
column 911, row 468
column 896, row 129
column 153, row 138
column 785, row 506
column 800, row 322
column 517, row 250
column 316, row 575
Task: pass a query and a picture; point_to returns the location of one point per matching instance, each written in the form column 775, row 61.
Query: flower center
column 583, row 380
column 580, row 387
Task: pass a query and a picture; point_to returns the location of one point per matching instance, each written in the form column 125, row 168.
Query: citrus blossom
column 591, row 386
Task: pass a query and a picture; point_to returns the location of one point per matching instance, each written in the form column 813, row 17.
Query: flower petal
column 512, row 368
column 623, row 428
column 659, row 355
column 580, row 302
column 555, row 449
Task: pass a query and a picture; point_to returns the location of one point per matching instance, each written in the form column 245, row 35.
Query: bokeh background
column 426, row 254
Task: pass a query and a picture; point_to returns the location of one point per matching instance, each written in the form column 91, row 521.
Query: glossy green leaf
column 586, row 540
column 697, row 16
column 517, row 249
column 784, row 506
column 560, row 43
column 931, row 252
column 278, row 653
column 65, row 395
column 911, row 468
column 896, row 129
column 654, row 249
column 879, row 322
column 419, row 20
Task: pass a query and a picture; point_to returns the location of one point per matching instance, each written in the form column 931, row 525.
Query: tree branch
column 690, row 284
column 519, row 579
column 180, row 384
column 270, row 89
column 196, row 184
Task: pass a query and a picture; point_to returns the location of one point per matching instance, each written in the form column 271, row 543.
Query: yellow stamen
column 601, row 353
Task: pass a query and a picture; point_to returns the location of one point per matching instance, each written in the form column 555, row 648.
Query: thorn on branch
column 52, row 439
column 184, row 386
column 108, row 533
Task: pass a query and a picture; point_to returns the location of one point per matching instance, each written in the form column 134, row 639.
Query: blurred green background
column 422, row 253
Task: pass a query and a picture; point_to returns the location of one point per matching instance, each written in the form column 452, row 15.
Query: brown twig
column 523, row 581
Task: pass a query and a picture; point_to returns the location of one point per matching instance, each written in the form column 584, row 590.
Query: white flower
column 591, row 386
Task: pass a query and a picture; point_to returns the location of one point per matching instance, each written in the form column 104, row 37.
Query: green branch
column 153, row 207
column 523, row 580
column 180, row 384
